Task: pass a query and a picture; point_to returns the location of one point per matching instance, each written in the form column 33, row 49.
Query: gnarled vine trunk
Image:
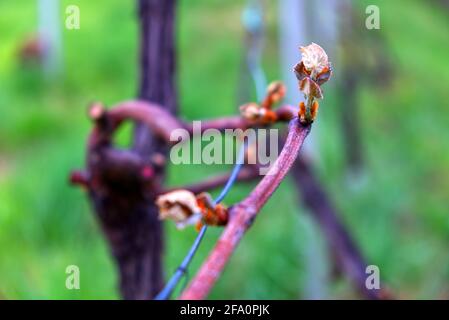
column 123, row 201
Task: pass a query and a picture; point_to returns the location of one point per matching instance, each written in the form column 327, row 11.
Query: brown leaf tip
column 312, row 71
column 184, row 208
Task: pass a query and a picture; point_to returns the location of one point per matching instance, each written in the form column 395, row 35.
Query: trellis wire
column 182, row 269
column 252, row 20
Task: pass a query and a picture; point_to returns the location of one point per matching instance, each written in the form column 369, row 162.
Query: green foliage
column 398, row 215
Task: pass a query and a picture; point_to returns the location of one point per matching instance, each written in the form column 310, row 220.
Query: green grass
column 398, row 215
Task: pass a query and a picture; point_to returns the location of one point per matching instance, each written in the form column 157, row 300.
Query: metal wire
column 181, row 270
column 252, row 20
column 234, row 174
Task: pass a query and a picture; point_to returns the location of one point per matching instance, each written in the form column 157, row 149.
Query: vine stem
column 160, row 122
column 243, row 214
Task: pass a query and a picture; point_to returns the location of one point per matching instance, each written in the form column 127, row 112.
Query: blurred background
column 380, row 145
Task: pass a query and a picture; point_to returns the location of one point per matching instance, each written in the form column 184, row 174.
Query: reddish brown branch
column 243, row 214
column 154, row 116
column 158, row 121
column 284, row 113
column 161, row 122
column 80, row 178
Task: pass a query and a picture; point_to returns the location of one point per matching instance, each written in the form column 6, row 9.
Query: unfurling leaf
column 310, row 88
column 180, row 206
column 314, row 58
column 184, row 208
column 300, row 71
column 312, row 71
